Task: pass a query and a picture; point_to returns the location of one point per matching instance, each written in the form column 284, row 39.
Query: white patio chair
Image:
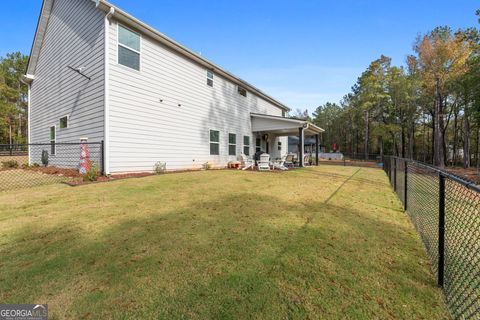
column 264, row 162
column 289, row 160
column 280, row 164
column 246, row 162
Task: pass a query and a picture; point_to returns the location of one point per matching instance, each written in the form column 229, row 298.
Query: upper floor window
column 210, row 78
column 242, row 91
column 128, row 48
column 64, row 122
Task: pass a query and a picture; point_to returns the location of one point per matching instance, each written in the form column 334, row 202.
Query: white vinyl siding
column 148, row 125
column 74, row 37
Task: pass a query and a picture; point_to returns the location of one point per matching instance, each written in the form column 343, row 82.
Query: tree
column 442, row 59
column 13, row 99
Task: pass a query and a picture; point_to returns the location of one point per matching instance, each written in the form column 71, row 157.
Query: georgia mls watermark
column 23, row 312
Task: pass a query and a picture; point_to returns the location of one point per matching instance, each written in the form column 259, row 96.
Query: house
column 98, row 74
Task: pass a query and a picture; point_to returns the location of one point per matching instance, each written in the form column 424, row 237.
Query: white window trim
column 68, row 123
column 232, row 144
column 127, row 47
column 54, row 140
column 210, row 141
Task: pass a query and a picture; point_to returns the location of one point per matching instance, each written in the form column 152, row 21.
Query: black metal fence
column 445, row 210
column 28, row 165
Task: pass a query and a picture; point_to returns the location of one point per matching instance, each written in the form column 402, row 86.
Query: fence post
column 394, row 174
column 405, row 186
column 441, row 228
column 102, row 154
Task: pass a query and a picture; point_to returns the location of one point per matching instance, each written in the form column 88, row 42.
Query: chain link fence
column 445, row 210
column 351, row 159
column 29, row 165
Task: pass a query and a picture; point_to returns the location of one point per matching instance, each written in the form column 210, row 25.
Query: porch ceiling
column 282, row 126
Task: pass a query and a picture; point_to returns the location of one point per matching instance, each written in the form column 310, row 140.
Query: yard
column 323, row 243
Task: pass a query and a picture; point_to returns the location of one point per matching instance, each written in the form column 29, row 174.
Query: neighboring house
column 95, row 72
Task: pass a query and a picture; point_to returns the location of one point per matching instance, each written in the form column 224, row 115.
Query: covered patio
column 269, row 128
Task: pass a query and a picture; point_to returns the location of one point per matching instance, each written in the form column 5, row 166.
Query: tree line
column 13, row 99
column 427, row 109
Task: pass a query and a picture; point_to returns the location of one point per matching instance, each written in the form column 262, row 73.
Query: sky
column 303, row 53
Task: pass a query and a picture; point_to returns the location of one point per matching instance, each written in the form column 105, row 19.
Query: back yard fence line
column 445, row 211
column 28, row 165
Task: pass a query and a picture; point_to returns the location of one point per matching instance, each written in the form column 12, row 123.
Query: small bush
column 160, row 167
column 35, row 165
column 10, row 164
column 92, row 174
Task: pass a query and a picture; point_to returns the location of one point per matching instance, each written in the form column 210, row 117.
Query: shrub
column 10, row 164
column 160, row 167
column 45, row 157
column 92, row 174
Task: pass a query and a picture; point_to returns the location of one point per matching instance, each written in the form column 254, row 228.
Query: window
column 64, row 122
column 214, row 142
column 242, row 91
column 283, row 113
column 258, row 145
column 209, row 78
column 53, row 137
column 246, row 145
column 279, row 145
column 128, row 48
column 232, row 144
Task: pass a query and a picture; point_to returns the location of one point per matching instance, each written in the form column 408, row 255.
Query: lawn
column 319, row 243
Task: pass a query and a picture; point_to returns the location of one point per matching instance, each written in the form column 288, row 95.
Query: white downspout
column 29, row 135
column 106, row 114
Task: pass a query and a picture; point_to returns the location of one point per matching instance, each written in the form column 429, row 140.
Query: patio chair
column 280, row 164
column 246, row 162
column 289, row 161
column 264, row 162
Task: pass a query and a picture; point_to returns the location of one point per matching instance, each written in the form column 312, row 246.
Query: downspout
column 27, row 79
column 106, row 114
column 29, row 135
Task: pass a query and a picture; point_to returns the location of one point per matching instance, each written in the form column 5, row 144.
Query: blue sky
column 303, row 53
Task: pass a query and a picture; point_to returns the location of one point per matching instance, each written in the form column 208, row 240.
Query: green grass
column 19, row 178
column 319, row 243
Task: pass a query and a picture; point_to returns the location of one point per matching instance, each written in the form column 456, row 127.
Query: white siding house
column 147, row 97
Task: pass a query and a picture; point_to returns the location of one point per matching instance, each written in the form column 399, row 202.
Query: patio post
column 316, row 148
column 301, row 146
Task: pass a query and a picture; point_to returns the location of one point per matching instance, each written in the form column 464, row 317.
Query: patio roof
column 282, row 126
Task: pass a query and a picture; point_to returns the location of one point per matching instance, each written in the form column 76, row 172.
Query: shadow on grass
column 242, row 256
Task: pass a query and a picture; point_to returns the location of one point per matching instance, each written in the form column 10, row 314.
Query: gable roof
column 38, row 39
column 147, row 30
